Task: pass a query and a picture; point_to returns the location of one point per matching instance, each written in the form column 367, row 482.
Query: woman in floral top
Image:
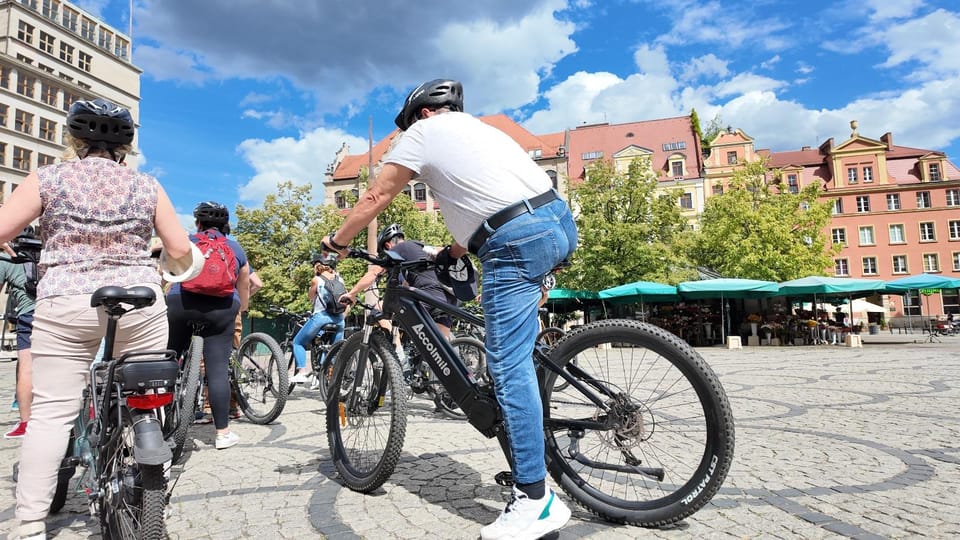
column 96, row 217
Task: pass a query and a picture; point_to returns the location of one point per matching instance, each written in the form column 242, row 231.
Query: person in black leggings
column 212, row 318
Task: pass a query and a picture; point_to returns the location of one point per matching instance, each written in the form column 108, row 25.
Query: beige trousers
column 66, row 336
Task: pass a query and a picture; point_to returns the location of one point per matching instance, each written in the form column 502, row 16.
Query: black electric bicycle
column 643, row 433
column 118, row 437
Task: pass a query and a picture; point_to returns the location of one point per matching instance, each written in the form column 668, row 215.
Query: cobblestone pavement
column 831, row 443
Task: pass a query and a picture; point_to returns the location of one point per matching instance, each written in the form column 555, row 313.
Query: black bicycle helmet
column 100, row 121
column 433, row 95
column 326, row 259
column 392, row 231
column 211, row 213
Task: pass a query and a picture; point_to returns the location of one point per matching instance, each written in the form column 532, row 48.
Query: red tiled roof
column 799, row 158
column 649, row 134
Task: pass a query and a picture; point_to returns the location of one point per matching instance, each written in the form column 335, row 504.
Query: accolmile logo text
column 434, row 353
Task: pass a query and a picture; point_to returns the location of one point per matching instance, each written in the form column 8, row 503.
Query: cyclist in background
column 96, row 219
column 24, row 297
column 215, row 316
column 326, row 310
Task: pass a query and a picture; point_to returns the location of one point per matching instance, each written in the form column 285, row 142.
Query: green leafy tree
column 754, row 231
column 629, row 231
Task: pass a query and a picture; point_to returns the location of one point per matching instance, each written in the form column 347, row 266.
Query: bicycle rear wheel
column 366, row 413
column 259, row 378
column 134, row 495
column 658, row 445
column 474, row 357
column 179, row 414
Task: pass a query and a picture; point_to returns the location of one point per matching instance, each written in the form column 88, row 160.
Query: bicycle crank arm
column 573, row 452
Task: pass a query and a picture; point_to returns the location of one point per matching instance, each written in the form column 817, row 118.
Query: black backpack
column 336, row 289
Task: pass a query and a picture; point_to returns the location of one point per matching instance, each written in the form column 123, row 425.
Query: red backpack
column 219, row 274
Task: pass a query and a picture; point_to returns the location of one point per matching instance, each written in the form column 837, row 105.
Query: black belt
column 499, row 219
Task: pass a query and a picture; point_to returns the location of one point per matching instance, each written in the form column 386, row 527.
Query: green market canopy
column 639, row 292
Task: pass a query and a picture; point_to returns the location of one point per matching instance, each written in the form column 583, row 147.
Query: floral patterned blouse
column 96, row 223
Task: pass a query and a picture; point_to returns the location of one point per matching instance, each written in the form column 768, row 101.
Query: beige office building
column 52, row 53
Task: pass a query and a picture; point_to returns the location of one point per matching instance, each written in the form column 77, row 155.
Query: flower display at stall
column 754, row 318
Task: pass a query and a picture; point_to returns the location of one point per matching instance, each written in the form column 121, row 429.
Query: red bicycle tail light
column 149, row 401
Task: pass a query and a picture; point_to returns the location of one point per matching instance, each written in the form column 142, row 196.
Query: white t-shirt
column 473, row 169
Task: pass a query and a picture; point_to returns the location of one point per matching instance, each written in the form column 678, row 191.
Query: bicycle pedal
column 504, row 478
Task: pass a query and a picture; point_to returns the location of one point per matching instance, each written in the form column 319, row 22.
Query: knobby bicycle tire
column 669, row 413
column 325, row 374
column 471, row 351
column 132, row 506
column 180, row 414
column 259, row 381
column 352, row 413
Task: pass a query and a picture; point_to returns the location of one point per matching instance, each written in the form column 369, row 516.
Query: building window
column 32, row 4
column 866, row 236
column 927, row 232
column 340, row 199
column 51, row 9
column 931, row 262
column 837, row 206
column 934, row 170
column 867, row 175
column 669, row 147
column 896, row 234
column 553, row 178
column 46, row 42
column 4, row 77
column 954, row 227
column 731, row 158
column 3, row 157
column 923, row 199
column 956, row 261
column 851, row 175
column 793, row 184
column 48, row 129
column 420, row 192
column 900, row 264
column 893, row 201
column 3, row 114
column 68, row 100
column 44, row 159
column 863, row 203
column 21, row 158
column 869, row 266
column 839, row 236
column 591, row 155
column 85, row 61
column 953, row 197
column 48, row 94
column 676, row 167
column 66, row 52
column 406, row 190
column 686, row 201
column 69, row 19
column 23, row 122
column 25, row 32
column 25, row 85
column 840, row 267
column 105, row 40
column 718, row 189
column 86, row 29
column 121, row 48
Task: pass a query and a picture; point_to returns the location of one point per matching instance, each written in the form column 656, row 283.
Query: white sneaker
column 314, row 382
column 227, row 440
column 528, row 519
column 300, row 378
column 31, row 530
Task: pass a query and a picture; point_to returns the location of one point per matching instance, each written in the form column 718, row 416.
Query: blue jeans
column 514, row 260
column 310, row 330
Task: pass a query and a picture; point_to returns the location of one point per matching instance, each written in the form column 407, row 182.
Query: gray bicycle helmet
column 389, row 233
column 100, row 121
column 326, row 259
column 432, row 95
column 211, row 213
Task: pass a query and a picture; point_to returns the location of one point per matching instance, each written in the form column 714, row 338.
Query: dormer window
column 536, row 153
column 933, row 172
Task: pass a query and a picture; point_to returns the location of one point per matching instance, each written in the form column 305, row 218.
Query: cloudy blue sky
column 238, row 94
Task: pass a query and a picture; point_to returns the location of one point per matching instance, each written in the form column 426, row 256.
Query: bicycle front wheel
column 366, row 413
column 132, row 506
column 259, row 378
column 644, row 433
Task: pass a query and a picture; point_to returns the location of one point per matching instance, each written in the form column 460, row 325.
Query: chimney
column 805, row 148
column 887, row 139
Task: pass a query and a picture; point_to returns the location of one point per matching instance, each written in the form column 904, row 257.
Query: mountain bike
column 117, row 437
column 258, row 378
column 187, row 397
column 643, row 434
column 322, row 349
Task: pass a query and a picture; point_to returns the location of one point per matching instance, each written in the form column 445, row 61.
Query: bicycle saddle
column 112, row 295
